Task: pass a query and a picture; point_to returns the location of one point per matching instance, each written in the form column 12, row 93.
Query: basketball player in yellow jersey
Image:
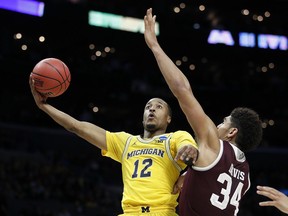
column 149, row 170
column 151, row 163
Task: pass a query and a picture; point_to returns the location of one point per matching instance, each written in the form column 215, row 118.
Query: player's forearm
column 60, row 117
column 175, row 79
column 86, row 130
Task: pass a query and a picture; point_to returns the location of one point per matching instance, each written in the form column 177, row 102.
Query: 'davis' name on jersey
column 236, row 173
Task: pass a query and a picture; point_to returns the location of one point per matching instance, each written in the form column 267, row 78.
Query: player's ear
column 232, row 132
column 169, row 119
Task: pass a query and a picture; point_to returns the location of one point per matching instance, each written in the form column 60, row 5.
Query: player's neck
column 151, row 134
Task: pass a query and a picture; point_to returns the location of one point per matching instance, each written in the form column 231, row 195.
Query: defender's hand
column 188, row 154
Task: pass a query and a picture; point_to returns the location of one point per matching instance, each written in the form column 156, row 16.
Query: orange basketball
column 51, row 77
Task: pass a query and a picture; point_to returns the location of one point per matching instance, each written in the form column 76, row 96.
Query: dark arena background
column 233, row 52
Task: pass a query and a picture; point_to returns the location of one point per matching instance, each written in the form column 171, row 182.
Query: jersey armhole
column 168, row 150
column 126, row 146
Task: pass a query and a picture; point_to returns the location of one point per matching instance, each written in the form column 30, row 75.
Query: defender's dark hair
column 249, row 127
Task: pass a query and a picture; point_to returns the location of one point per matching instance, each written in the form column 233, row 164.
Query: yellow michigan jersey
column 149, row 171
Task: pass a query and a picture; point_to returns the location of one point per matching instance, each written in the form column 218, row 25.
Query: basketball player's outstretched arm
column 88, row 131
column 278, row 199
column 204, row 129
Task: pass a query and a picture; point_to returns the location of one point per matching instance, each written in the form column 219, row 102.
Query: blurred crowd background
column 46, row 171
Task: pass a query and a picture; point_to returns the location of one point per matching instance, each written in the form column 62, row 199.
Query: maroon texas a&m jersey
column 217, row 188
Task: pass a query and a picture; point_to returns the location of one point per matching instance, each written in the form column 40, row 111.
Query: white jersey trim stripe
column 214, row 162
column 126, row 146
column 167, row 147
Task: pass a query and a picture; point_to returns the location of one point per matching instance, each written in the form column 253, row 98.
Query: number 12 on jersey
column 144, row 172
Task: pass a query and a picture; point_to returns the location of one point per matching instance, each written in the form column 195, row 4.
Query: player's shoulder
column 119, row 134
column 239, row 155
column 180, row 133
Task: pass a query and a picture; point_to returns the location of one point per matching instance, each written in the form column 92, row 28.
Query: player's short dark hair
column 169, row 110
column 249, row 127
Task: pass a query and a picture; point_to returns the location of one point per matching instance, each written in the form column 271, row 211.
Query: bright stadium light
column 118, row 22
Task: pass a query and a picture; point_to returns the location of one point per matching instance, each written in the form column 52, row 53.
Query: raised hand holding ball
column 51, row 77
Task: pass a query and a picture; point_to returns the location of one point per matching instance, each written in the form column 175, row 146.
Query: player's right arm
column 204, row 129
column 88, row 131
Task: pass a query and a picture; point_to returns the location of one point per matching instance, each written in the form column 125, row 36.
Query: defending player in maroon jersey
column 220, row 176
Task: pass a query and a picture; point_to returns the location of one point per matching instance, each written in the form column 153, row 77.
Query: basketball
column 51, row 77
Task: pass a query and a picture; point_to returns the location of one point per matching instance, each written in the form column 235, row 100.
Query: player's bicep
column 205, row 130
column 194, row 113
column 92, row 134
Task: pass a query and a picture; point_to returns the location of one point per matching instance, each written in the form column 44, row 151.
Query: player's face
column 156, row 115
column 224, row 128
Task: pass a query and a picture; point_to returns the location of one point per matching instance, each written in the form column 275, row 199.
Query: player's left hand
column 149, row 33
column 179, row 183
column 188, row 154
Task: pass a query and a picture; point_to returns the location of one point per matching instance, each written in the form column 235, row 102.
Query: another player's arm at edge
column 204, row 129
column 88, row 131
